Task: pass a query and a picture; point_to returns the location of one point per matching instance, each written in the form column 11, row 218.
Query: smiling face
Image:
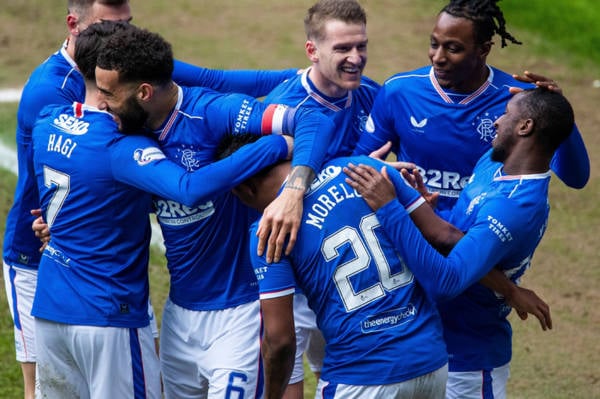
column 507, row 127
column 459, row 63
column 120, row 99
column 339, row 57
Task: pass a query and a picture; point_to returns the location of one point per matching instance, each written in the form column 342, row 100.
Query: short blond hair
column 349, row 11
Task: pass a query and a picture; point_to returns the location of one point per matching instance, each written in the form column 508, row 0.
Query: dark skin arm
column 278, row 344
column 523, row 300
column 377, row 190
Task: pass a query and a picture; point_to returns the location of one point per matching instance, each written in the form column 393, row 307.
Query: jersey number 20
column 367, row 249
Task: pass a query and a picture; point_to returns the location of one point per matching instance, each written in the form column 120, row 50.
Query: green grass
column 8, row 123
column 564, row 28
column 560, row 39
column 10, row 370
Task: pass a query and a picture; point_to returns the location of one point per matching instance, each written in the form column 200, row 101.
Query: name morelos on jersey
column 367, row 302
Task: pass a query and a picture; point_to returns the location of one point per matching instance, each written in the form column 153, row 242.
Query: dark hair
column 233, row 142
column 349, row 11
column 89, row 43
column 138, row 55
column 552, row 115
column 486, row 16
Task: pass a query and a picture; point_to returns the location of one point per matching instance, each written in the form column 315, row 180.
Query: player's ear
column 485, row 49
column 144, row 92
column 526, row 127
column 311, row 51
column 73, row 24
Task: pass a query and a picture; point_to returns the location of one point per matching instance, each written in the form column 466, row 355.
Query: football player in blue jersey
column 504, row 212
column 93, row 182
column 441, row 116
column 336, row 45
column 211, row 323
column 383, row 334
column 57, row 81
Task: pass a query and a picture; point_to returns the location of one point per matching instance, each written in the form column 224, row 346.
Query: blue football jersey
column 95, row 267
column 504, row 217
column 93, row 183
column 55, row 81
column 349, row 113
column 379, row 325
column 446, row 133
column 207, row 245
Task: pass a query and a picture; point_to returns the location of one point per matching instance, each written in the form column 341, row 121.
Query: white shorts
column 430, row 386
column 309, row 339
column 152, row 317
column 211, row 354
column 20, row 286
column 91, row 362
column 478, row 384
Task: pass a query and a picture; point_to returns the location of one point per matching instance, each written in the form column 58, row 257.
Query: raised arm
column 255, row 83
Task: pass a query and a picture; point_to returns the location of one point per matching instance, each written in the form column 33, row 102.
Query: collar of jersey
column 166, row 127
column 445, row 95
column 79, row 109
column 321, row 98
column 499, row 175
column 63, row 52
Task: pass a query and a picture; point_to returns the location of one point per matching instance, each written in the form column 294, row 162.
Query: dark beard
column 133, row 118
column 498, row 154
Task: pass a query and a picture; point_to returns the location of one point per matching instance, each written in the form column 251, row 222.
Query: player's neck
column 91, row 94
column 476, row 80
column 165, row 99
column 325, row 86
column 70, row 47
column 526, row 161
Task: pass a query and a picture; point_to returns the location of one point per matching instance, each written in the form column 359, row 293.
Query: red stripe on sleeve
column 267, row 119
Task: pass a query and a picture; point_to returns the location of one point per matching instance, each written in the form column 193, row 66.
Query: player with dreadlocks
column 487, row 17
column 441, row 117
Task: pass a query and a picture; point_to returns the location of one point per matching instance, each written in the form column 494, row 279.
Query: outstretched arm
column 255, row 83
column 377, row 189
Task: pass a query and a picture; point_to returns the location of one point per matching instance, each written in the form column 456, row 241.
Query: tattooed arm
column 283, row 215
